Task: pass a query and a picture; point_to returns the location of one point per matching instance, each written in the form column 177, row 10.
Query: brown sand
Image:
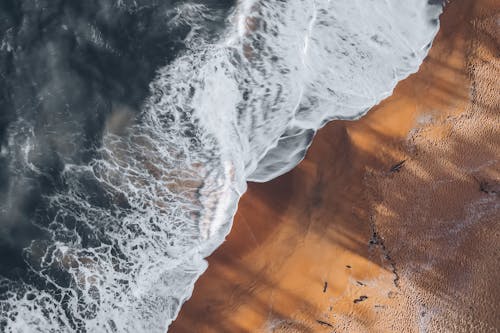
column 344, row 244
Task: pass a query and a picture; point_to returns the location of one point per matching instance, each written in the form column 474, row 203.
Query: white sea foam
column 243, row 108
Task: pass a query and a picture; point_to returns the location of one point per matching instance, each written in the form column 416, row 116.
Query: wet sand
column 391, row 223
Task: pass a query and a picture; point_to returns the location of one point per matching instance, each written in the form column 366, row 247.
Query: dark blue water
column 64, row 66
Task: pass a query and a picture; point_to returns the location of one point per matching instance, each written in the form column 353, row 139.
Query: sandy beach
column 391, row 223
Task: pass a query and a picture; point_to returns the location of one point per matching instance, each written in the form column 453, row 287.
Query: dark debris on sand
column 360, row 299
column 324, row 323
column 396, row 167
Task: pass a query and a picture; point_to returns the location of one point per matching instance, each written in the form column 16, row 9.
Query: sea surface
column 129, row 128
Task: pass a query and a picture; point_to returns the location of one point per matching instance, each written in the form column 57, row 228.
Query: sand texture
column 391, row 223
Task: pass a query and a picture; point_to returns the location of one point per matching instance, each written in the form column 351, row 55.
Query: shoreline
column 352, row 236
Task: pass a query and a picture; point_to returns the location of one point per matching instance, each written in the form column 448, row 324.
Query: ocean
column 129, row 128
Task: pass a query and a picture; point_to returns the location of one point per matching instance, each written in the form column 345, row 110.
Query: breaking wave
column 125, row 228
